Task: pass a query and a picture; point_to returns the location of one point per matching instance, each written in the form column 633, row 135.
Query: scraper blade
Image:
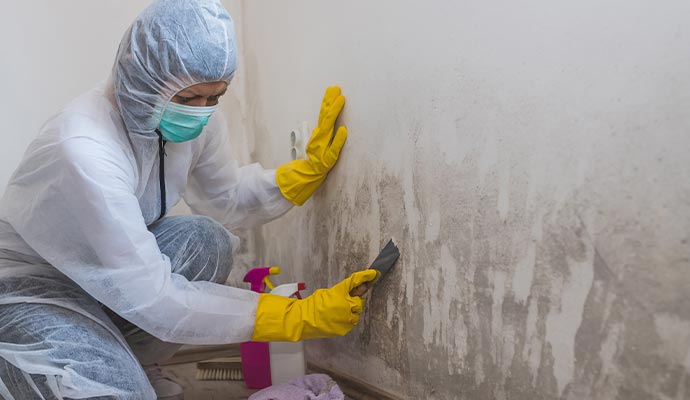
column 386, row 258
column 383, row 263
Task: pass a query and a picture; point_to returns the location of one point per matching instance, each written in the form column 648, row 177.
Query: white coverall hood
column 172, row 45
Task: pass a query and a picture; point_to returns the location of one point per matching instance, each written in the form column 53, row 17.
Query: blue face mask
column 181, row 123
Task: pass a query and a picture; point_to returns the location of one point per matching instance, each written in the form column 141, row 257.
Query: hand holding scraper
column 383, row 263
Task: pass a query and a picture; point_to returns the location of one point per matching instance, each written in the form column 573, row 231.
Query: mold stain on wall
column 543, row 225
column 487, row 300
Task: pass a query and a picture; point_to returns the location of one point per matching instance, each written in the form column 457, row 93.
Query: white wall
column 532, row 161
column 51, row 52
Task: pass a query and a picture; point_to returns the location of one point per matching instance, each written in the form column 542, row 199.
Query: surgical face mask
column 181, row 123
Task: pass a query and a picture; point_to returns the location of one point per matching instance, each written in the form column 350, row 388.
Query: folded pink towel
column 308, row 387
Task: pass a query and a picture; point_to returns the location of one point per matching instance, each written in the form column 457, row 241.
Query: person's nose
column 198, row 102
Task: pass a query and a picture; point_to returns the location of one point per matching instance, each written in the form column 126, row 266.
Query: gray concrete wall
column 531, row 159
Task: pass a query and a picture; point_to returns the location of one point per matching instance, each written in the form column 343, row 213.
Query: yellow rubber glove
column 299, row 179
column 326, row 313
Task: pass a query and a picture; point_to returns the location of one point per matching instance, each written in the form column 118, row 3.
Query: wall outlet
column 298, row 141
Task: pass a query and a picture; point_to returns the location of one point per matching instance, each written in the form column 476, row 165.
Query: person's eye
column 184, row 100
column 213, row 99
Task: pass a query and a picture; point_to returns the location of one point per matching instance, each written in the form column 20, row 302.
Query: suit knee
column 219, row 244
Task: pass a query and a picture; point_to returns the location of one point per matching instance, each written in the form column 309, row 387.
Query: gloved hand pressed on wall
column 299, row 179
column 326, row 313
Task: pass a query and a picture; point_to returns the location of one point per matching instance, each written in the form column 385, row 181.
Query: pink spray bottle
column 256, row 359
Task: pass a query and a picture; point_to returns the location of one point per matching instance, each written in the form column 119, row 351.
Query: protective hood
column 173, row 44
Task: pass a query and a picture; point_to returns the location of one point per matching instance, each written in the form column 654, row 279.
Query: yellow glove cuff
column 298, row 180
column 270, row 323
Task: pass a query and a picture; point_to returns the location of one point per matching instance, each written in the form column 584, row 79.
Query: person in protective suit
column 95, row 280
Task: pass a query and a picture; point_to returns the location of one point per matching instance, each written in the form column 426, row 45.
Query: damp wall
column 531, row 160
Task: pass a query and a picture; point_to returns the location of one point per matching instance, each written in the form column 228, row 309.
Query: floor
column 182, row 369
column 185, row 375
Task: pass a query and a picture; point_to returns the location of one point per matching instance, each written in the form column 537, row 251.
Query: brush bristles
column 219, row 374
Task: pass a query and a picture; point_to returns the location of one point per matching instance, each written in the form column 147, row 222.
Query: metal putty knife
column 383, row 263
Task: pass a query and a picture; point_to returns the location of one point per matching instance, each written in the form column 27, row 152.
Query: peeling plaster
column 562, row 322
column 524, row 273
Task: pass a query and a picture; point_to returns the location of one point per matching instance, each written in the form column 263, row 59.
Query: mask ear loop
column 161, row 162
column 161, row 171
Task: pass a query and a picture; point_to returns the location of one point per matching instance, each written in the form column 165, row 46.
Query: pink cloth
column 308, row 387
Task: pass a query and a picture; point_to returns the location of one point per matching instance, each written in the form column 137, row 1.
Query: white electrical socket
column 298, row 141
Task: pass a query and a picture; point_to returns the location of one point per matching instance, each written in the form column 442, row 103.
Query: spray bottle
column 287, row 358
column 256, row 361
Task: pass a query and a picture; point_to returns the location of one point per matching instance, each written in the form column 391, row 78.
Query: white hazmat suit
column 89, row 187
